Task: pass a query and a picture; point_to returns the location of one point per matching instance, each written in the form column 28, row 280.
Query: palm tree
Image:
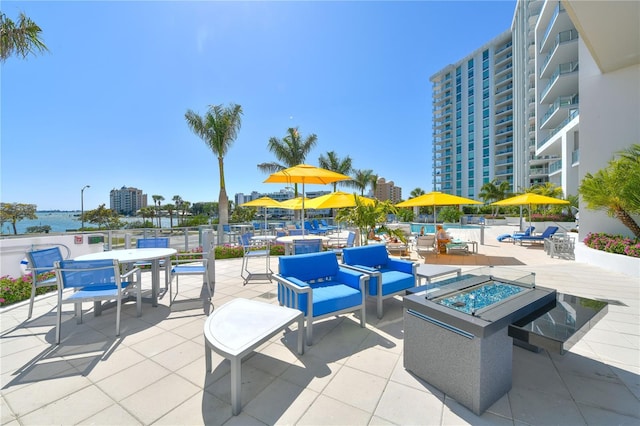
column 360, row 180
column 335, row 164
column 177, row 200
column 218, row 128
column 170, row 209
column 494, row 191
column 547, row 189
column 416, row 193
column 614, row 189
column 157, row 199
column 289, row 151
column 22, row 38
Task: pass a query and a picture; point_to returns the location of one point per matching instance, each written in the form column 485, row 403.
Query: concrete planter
column 626, row 265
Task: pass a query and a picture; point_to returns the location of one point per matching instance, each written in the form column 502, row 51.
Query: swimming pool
column 429, row 228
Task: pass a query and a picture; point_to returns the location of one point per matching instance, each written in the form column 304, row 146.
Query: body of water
column 63, row 221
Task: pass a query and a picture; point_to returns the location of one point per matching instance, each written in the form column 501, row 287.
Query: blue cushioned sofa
column 318, row 286
column 387, row 276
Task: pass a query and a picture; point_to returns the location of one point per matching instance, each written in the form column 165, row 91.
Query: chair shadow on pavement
column 82, row 346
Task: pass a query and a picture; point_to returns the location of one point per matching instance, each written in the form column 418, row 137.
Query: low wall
column 13, row 250
column 626, row 265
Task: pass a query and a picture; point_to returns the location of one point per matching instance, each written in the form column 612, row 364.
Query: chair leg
column 78, row 307
column 379, row 307
column 33, row 296
column 58, row 321
column 309, row 331
column 139, row 300
column 118, row 306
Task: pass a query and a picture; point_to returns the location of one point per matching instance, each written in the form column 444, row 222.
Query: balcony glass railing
column 575, row 157
column 503, row 48
column 555, row 166
column 561, row 102
column 559, row 8
column 504, row 68
column 503, row 78
column 573, row 113
column 561, row 69
column 563, row 37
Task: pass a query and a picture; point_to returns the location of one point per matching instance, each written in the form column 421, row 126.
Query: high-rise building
column 573, row 82
column 127, row 201
column 473, row 120
column 388, row 191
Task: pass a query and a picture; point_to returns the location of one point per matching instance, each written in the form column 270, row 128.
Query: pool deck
column 154, row 373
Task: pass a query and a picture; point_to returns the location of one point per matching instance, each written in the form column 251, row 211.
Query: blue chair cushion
column 392, row 282
column 331, row 297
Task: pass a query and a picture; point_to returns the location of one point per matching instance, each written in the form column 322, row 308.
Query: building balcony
column 565, row 50
column 559, row 111
column 563, row 81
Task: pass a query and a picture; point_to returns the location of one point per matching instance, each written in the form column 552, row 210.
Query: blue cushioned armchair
column 387, row 276
column 318, row 286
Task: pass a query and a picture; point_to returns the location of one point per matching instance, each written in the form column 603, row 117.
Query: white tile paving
column 154, row 372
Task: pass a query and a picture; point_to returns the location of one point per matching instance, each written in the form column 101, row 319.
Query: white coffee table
column 236, row 328
column 429, row 272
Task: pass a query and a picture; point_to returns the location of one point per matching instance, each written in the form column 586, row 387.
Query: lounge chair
column 425, row 244
column 536, row 238
column 527, row 232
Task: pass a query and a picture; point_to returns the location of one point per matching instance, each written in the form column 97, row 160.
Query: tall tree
column 170, row 208
column 360, row 180
column 218, row 128
column 494, row 191
column 178, row 203
column 14, row 212
column 157, row 200
column 21, row 38
column 289, row 151
column 334, row 163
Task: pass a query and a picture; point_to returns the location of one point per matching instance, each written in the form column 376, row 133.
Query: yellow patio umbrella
column 434, row 199
column 294, row 203
column 304, row 173
column 264, row 202
column 337, row 200
column 529, row 198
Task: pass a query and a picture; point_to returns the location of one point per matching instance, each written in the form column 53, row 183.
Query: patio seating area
column 155, row 371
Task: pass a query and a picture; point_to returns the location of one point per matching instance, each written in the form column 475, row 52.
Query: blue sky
column 105, row 106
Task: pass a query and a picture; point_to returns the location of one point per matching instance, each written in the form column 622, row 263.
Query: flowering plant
column 617, row 244
column 13, row 290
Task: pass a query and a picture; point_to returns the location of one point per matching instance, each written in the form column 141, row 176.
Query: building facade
column 388, row 191
column 473, row 120
column 127, row 201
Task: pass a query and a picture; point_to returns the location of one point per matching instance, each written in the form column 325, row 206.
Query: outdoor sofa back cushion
column 373, row 256
column 309, row 267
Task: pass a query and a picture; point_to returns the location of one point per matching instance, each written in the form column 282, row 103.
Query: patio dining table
column 288, row 240
column 129, row 256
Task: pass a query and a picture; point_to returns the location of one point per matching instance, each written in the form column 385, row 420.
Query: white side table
column 236, row 328
column 428, row 272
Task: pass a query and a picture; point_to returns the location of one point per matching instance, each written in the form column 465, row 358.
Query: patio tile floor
column 154, row 373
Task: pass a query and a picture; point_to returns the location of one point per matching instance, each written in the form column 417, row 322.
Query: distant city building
column 127, row 201
column 388, row 191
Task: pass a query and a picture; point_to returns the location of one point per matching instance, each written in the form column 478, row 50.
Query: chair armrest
column 127, row 274
column 401, row 265
column 293, row 283
column 352, row 277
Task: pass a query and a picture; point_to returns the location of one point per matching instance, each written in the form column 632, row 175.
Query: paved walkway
column 154, row 373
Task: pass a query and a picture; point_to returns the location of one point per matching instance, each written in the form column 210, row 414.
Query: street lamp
column 82, row 205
